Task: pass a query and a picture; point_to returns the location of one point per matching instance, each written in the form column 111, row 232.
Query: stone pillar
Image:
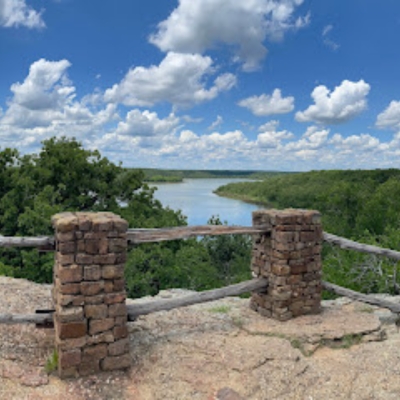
column 89, row 295
column 289, row 256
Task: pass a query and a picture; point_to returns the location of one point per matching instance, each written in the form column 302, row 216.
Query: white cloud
column 313, row 139
column 216, row 123
column 270, row 137
column 195, row 26
column 342, row 104
column 188, row 118
column 326, row 38
column 46, row 86
column 44, row 105
column 15, row 13
column 363, row 142
column 147, row 124
column 390, row 117
column 264, row 104
column 179, row 79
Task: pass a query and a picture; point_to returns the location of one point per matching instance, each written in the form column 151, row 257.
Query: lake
column 196, row 200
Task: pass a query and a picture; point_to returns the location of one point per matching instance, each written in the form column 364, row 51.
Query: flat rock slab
column 220, row 350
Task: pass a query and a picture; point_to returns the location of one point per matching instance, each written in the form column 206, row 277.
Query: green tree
column 66, row 177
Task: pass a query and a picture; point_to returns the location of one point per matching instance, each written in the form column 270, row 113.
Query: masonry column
column 89, row 293
column 289, row 256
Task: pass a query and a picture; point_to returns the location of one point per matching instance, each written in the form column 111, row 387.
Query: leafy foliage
column 360, row 205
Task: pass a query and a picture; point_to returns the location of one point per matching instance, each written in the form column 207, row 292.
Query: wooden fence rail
column 360, row 247
column 137, row 236
column 148, row 307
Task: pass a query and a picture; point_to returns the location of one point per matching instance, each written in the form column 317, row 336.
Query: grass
column 51, row 363
column 220, row 309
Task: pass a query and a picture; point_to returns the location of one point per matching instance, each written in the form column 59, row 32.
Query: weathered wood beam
column 26, row 318
column 365, row 298
column 184, row 232
column 362, row 248
column 164, row 305
column 43, row 242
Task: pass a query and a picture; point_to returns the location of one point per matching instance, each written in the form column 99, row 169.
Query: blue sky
column 205, row 84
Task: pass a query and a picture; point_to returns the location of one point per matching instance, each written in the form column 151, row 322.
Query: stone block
column 70, row 274
column 65, row 223
column 120, row 225
column 101, row 223
column 104, row 337
column 117, row 310
column 66, row 247
column 95, row 352
column 120, row 332
column 84, row 259
column 100, row 325
column 91, row 246
column 71, row 330
column 112, row 298
column 117, row 245
column 92, row 288
column 98, row 299
column 69, row 314
column 113, row 271
column 121, row 321
column 66, row 237
column 110, row 258
column 281, row 270
column 68, row 344
column 96, row 311
column 68, row 300
column 104, row 246
column 69, row 288
column 69, row 358
column 65, row 259
column 118, row 362
column 119, row 347
column 91, row 273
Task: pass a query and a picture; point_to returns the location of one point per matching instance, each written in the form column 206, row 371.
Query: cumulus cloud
column 342, row 104
column 15, row 13
column 196, row 26
column 313, row 139
column 147, row 124
column 363, row 142
column 44, row 105
column 390, row 117
column 264, row 104
column 179, row 79
column 270, row 137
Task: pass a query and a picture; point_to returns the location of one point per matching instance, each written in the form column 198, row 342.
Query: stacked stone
column 89, row 293
column 289, row 256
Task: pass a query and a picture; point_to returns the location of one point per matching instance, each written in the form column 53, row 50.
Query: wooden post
column 89, row 293
column 288, row 255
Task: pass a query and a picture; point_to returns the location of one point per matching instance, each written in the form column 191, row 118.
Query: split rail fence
column 90, row 313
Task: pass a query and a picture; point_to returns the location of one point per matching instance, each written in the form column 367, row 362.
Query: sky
column 290, row 85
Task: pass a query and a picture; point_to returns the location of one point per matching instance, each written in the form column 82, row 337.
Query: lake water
column 196, row 200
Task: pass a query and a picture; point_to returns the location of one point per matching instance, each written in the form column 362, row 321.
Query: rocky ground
column 220, row 350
